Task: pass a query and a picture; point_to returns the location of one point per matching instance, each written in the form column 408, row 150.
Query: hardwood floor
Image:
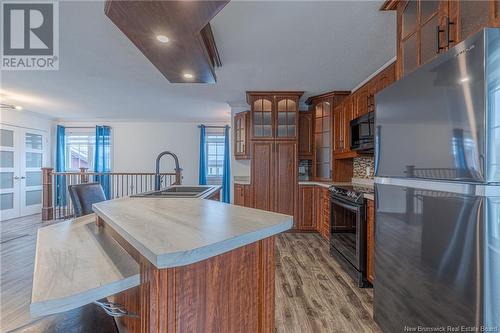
column 313, row 293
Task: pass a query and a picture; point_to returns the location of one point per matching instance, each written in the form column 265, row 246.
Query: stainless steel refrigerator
column 437, row 187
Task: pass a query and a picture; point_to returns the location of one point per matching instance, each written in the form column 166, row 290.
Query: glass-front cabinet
column 274, row 115
column 241, row 127
column 322, row 137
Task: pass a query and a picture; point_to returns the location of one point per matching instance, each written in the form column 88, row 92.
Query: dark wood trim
column 252, row 94
column 47, row 203
column 209, row 41
column 330, row 94
column 192, row 45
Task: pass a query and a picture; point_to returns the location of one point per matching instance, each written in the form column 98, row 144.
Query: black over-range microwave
column 363, row 133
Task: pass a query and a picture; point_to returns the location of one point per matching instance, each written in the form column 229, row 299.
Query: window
column 80, row 145
column 215, row 155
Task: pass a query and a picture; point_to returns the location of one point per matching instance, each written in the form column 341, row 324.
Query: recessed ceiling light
column 18, row 107
column 163, row 38
column 188, row 76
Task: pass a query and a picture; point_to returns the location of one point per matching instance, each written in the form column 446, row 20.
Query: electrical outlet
column 368, row 171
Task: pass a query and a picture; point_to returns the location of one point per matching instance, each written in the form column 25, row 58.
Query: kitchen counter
column 323, row 183
column 159, row 257
column 76, row 264
column 242, row 180
column 355, row 181
column 176, row 232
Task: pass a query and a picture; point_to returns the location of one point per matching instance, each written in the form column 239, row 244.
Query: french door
column 22, row 154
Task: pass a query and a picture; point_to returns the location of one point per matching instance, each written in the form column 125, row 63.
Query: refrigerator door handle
column 441, row 186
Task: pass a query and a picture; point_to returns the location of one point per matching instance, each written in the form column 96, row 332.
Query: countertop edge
column 144, row 251
column 203, row 253
column 196, row 255
column 44, row 308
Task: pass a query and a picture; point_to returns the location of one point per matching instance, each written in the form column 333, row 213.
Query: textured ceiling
column 282, row 45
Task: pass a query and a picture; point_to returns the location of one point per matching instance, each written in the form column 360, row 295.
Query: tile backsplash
column 361, row 165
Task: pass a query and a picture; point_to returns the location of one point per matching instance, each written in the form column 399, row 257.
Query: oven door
column 348, row 234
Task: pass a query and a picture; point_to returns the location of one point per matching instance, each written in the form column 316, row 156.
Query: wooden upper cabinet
column 468, row 17
column 337, row 129
column 241, row 135
column 274, row 115
column 361, row 101
column 426, row 28
column 306, row 136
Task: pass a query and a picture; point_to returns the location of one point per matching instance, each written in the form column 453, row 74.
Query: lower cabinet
column 370, row 240
column 306, row 219
column 322, row 212
column 242, row 195
column 314, row 210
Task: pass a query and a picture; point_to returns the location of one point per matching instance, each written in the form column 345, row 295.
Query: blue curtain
column 202, row 174
column 60, row 165
column 226, row 172
column 102, row 162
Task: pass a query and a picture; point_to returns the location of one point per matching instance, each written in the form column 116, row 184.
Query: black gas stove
column 352, row 193
column 348, row 229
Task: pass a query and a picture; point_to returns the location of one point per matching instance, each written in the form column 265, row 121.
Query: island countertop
column 176, row 232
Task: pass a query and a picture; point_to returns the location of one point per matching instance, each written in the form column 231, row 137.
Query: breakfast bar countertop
column 182, row 231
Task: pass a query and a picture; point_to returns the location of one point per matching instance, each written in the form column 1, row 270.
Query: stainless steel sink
column 177, row 192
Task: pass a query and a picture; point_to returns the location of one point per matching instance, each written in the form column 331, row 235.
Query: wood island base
column 231, row 292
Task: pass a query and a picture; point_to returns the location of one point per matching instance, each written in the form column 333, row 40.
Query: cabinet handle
column 438, row 42
column 448, row 23
column 16, row 177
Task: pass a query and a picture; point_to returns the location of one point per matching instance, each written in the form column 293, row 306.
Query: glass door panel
column 322, row 135
column 286, row 118
column 262, row 118
column 9, row 166
column 31, row 174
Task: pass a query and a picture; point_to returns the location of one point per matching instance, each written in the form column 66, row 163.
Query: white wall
column 135, row 146
column 32, row 120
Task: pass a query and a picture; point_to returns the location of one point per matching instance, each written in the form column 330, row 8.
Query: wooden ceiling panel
column 191, row 47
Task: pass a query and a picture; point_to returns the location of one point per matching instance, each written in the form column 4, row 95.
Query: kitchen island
column 189, row 265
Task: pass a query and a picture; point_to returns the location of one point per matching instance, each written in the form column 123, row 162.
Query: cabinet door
column 472, row 16
column 337, row 129
column 305, row 135
column 306, row 208
column 361, row 101
column 262, row 174
column 285, row 177
column 346, row 124
column 322, row 139
column 239, row 195
column 432, row 40
column 370, row 237
column 286, row 117
column 241, row 122
column 262, row 118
